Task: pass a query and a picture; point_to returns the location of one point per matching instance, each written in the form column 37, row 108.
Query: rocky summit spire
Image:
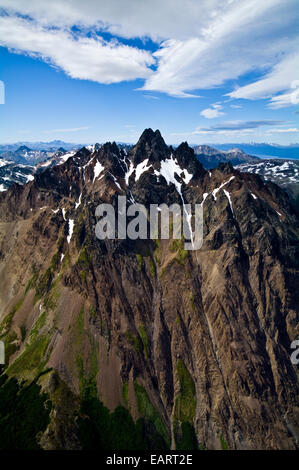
column 187, row 159
column 150, row 145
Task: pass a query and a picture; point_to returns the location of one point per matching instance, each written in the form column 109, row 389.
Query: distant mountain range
column 45, row 146
column 265, row 150
column 210, row 157
column 255, row 149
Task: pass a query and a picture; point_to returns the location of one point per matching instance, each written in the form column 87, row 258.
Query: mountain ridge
column 195, row 344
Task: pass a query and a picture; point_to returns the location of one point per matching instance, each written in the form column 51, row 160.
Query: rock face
column 196, row 343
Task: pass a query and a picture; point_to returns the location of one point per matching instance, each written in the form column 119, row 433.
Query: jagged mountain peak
column 150, row 145
column 186, row 158
column 109, row 147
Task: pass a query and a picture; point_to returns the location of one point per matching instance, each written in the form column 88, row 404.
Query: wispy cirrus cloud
column 244, row 36
column 281, row 77
column 282, row 131
column 231, row 128
column 243, row 125
column 216, row 41
column 71, row 129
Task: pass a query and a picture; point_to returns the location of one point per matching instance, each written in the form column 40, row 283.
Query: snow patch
column 215, row 191
column 71, row 228
column 141, row 168
column 77, row 204
column 65, row 157
column 98, row 168
column 129, row 172
column 204, row 197
column 170, row 167
column 229, row 199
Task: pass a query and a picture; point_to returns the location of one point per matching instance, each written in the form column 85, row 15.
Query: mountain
column 210, row 157
column 122, row 344
column 26, row 156
column 45, row 146
column 265, row 150
column 11, row 172
column 57, row 158
column 285, row 173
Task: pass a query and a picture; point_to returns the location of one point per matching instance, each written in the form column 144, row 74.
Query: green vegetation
column 31, row 283
column 79, row 231
column 223, row 443
column 144, row 339
column 33, row 358
column 100, row 429
column 125, row 390
column 88, row 368
column 149, row 412
column 185, row 437
column 92, row 312
column 10, row 345
column 184, row 412
column 7, row 321
column 135, row 341
column 152, row 267
column 157, row 252
column 185, row 404
column 84, row 263
column 23, row 332
column 178, row 245
column 24, row 413
column 80, row 321
column 44, row 284
column 84, row 259
column 40, row 322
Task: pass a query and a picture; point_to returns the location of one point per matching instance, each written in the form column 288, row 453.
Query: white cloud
column 282, row 77
column 213, row 112
column 125, row 18
column 249, row 35
column 89, row 58
column 235, row 129
column 201, row 44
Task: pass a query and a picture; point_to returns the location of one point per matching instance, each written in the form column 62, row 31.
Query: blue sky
column 202, row 71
